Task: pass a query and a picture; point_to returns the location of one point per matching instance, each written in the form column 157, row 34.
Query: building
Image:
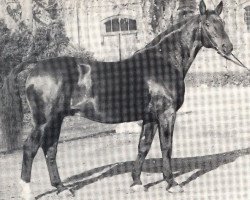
column 112, row 30
column 115, row 29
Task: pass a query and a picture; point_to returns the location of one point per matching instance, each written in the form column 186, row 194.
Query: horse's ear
column 202, row 7
column 219, row 8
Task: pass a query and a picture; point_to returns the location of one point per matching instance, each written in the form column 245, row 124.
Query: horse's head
column 213, row 34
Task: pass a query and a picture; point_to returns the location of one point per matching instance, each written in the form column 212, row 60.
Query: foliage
column 49, row 41
column 20, row 45
column 161, row 13
column 14, row 10
column 219, row 79
column 14, row 48
column 79, row 53
column 11, row 118
column 156, row 11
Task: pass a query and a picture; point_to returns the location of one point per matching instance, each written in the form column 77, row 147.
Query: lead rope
column 242, row 65
column 239, row 63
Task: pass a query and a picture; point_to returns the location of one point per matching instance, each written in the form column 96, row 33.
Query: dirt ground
column 211, row 155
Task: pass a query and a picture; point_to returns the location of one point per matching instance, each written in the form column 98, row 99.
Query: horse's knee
column 144, row 146
column 51, row 154
column 50, row 151
column 30, row 148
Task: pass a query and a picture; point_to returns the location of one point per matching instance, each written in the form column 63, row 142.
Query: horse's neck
column 192, row 39
column 187, row 45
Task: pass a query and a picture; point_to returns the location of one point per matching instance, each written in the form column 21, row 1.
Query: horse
column 147, row 86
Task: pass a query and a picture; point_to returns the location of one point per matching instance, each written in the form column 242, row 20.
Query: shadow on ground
column 203, row 164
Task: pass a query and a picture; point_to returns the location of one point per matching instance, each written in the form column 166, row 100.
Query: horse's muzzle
column 227, row 48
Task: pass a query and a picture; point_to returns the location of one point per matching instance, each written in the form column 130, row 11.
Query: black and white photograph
column 125, row 99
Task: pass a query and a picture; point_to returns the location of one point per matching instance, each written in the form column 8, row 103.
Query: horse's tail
column 11, row 110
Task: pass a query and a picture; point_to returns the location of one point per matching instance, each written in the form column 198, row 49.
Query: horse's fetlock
column 28, row 150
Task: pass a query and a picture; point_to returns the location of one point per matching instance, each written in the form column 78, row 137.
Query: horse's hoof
column 66, row 194
column 27, row 196
column 26, row 191
column 175, row 189
column 137, row 187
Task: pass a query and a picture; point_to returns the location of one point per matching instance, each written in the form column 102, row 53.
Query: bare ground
column 211, row 155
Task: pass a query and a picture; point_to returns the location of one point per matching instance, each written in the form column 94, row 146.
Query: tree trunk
column 186, row 9
column 159, row 13
column 27, row 15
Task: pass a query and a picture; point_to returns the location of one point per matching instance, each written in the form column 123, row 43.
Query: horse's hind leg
column 146, row 138
column 166, row 128
column 30, row 148
column 49, row 145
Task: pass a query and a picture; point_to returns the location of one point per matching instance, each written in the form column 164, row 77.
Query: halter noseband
column 214, row 45
column 209, row 37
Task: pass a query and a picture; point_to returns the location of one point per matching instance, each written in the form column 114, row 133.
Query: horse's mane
column 169, row 30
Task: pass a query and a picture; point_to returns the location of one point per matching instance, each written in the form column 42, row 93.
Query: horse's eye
column 207, row 24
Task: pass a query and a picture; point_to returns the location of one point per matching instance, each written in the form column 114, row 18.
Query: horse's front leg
column 166, row 128
column 146, row 138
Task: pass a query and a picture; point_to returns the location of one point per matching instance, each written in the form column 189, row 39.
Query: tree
column 186, row 8
column 17, row 45
column 26, row 42
column 163, row 13
column 158, row 12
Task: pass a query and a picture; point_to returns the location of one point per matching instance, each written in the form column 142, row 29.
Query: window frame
column 119, row 17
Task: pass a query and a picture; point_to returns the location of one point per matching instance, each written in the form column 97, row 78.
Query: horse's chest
column 164, row 96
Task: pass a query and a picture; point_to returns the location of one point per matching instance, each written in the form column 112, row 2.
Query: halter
column 209, row 37
column 214, row 45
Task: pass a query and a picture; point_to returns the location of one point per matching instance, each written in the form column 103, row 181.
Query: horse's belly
column 107, row 109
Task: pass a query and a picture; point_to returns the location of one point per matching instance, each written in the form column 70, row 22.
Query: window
column 124, row 24
column 247, row 17
column 108, row 26
column 117, row 24
column 132, row 25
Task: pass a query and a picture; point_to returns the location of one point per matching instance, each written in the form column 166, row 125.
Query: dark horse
column 148, row 86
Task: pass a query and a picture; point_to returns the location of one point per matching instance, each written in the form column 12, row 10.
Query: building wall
column 92, row 13
column 85, row 26
column 90, row 31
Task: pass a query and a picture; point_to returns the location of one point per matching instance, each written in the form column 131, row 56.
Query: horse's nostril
column 224, row 48
column 227, row 48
